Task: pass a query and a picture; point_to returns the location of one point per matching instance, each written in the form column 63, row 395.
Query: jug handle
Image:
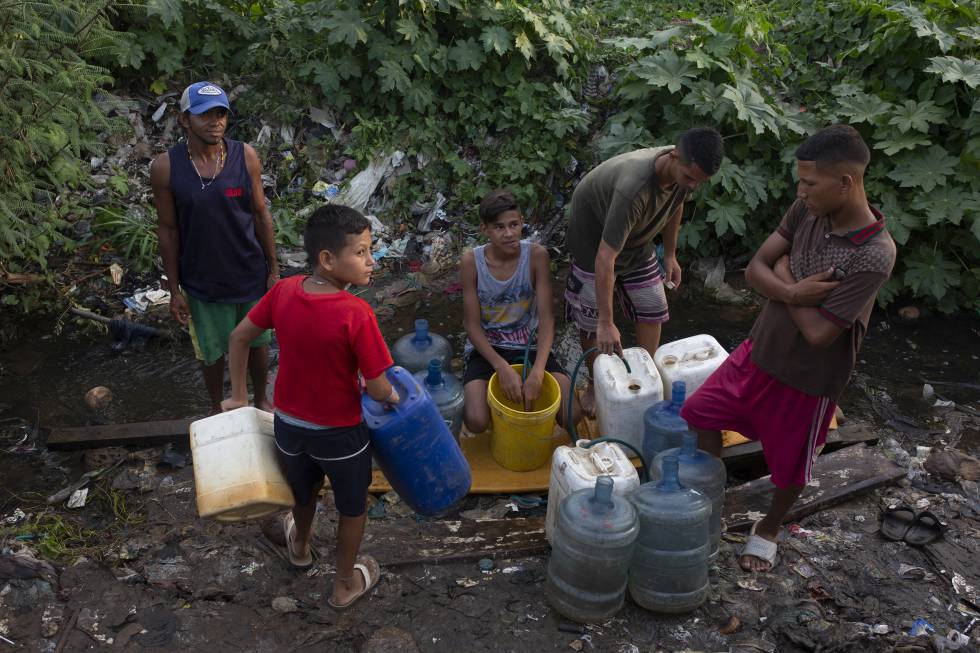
column 601, row 463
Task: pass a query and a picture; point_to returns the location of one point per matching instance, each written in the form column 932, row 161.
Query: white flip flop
column 288, row 525
column 761, row 548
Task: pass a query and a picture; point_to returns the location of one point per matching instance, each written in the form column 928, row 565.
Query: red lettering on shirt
column 233, row 192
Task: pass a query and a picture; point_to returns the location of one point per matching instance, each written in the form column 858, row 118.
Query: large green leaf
column 393, row 77
column 900, row 223
column 916, row 115
column 862, row 107
column 346, row 26
column 924, row 170
column 945, row 204
column 467, row 54
column 752, row 108
column 727, row 216
column 407, row 28
column 623, row 137
column 894, row 143
column 524, row 45
column 664, row 69
column 928, row 272
column 954, row 69
column 168, row 11
column 495, row 38
column 747, row 181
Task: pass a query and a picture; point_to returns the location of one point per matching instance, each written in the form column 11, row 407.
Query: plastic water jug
column 669, row 570
column 446, row 391
column 413, row 351
column 623, row 396
column 664, row 428
column 576, row 468
column 591, row 550
column 236, row 471
column 701, row 471
column 691, row 360
column 414, row 448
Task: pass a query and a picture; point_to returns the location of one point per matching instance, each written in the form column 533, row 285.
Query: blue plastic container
column 669, row 570
column 413, row 351
column 591, row 549
column 414, row 448
column 701, row 471
column 663, row 427
column 446, row 391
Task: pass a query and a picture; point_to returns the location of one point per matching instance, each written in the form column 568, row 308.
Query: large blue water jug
column 413, row 351
column 701, row 471
column 669, row 570
column 591, row 548
column 663, row 427
column 446, row 391
column 414, row 448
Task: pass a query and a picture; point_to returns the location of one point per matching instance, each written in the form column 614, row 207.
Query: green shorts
column 211, row 323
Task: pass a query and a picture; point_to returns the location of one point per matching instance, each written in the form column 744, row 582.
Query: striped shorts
column 640, row 294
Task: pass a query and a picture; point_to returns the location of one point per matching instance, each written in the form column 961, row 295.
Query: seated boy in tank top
column 507, row 300
column 326, row 335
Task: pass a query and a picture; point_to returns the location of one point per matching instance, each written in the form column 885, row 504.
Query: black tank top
column 221, row 259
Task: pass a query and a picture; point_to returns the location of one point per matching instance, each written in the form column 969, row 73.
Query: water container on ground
column 236, row 471
column 700, row 471
column 414, row 448
column 591, row 549
column 663, row 426
column 413, row 351
column 446, row 390
column 576, row 468
column 691, row 360
column 623, row 396
column 521, row 440
column 669, row 570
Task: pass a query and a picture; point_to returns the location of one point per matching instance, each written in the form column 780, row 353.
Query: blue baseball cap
column 201, row 96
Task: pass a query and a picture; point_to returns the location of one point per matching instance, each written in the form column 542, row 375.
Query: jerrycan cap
column 434, row 377
column 678, row 392
column 689, row 445
column 421, row 332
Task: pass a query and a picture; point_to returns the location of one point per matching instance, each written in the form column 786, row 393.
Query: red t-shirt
column 323, row 341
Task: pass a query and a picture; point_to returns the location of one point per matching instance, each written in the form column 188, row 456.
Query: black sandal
column 896, row 522
column 925, row 529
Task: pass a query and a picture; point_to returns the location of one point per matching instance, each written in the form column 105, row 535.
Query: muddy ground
column 136, row 569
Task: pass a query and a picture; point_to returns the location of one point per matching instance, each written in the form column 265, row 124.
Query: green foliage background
column 491, row 94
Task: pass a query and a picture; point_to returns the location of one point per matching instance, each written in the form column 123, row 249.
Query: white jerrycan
column 691, row 360
column 622, row 396
column 236, row 471
column 574, row 468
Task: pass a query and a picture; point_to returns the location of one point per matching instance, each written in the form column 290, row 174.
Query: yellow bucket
column 521, row 440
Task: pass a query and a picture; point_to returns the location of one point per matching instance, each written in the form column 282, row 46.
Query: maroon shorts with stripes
column 789, row 424
column 640, row 294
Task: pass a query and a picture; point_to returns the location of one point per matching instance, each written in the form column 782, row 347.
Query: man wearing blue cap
column 215, row 233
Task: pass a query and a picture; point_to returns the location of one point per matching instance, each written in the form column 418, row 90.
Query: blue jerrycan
column 446, row 391
column 414, row 448
column 663, row 427
column 669, row 570
column 591, row 549
column 413, row 351
column 700, row 471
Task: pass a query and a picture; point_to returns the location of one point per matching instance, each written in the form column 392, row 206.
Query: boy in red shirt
column 326, row 335
column 821, row 270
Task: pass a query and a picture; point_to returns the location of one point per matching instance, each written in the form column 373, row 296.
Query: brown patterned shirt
column 866, row 257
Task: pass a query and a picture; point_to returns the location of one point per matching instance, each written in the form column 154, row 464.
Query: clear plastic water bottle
column 663, row 427
column 669, row 570
column 413, row 351
column 591, row 549
column 701, row 471
column 446, row 391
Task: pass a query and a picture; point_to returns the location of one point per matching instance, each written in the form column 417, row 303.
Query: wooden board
column 837, row 438
column 838, row 476
column 107, row 435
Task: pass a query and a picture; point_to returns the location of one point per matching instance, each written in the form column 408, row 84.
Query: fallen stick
column 63, row 640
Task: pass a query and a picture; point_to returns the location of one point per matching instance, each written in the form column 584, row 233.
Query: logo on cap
column 209, row 90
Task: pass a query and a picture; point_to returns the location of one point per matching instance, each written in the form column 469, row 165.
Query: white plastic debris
column 78, row 498
column 364, row 183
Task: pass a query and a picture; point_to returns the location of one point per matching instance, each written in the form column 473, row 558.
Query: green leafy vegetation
column 502, row 94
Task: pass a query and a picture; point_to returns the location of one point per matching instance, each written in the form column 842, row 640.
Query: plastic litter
column 78, row 498
column 358, row 193
column 921, row 627
column 325, row 191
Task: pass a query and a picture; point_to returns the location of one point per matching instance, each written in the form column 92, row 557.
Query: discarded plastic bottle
column 669, row 570
column 701, row 471
column 591, row 549
column 413, row 351
column 663, row 427
column 414, row 448
column 446, row 391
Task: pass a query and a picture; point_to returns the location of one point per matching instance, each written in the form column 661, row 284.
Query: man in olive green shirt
column 617, row 210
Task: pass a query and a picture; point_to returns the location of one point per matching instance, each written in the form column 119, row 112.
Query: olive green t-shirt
column 621, row 202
